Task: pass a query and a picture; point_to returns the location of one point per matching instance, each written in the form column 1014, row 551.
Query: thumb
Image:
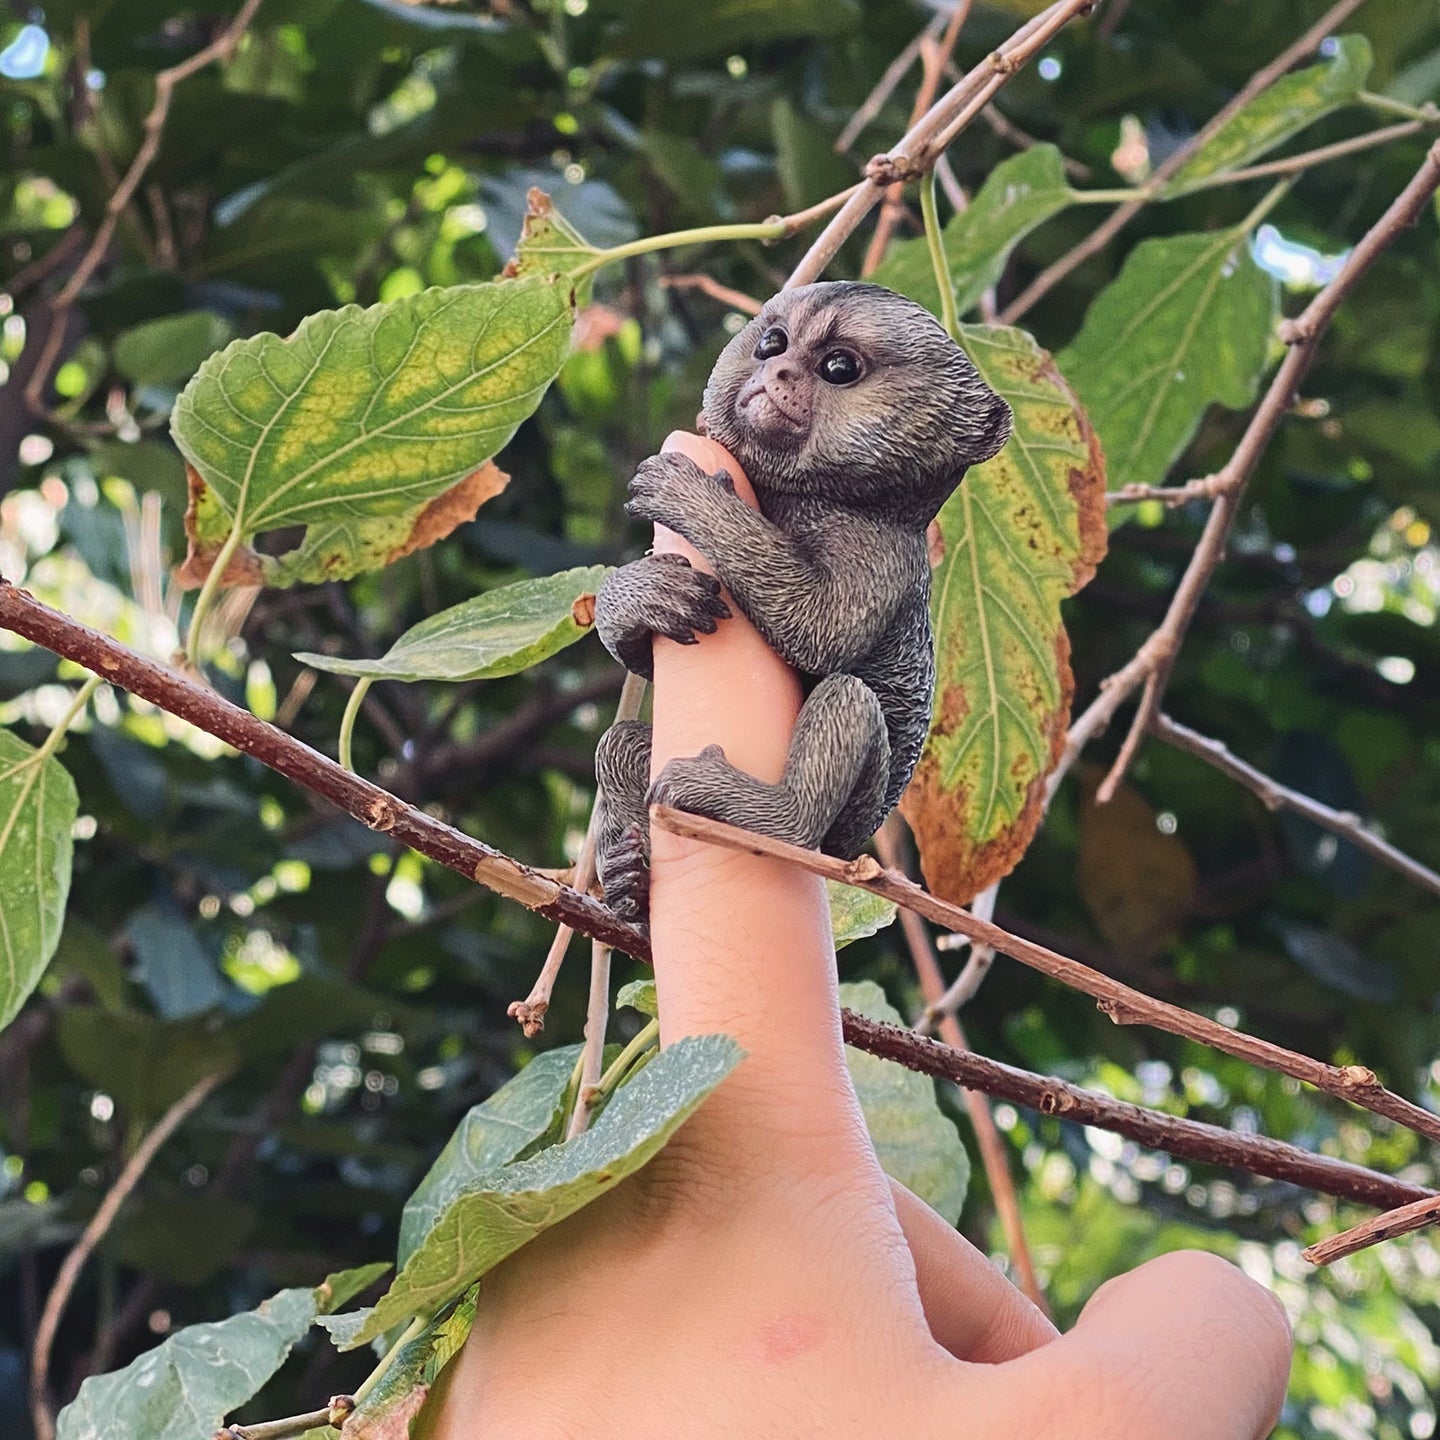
column 1184, row 1346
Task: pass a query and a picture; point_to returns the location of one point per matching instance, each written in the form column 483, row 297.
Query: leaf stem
column 412, row 1331
column 1138, row 194
column 1272, row 197
column 347, row 720
column 53, row 740
column 776, row 229
column 205, row 598
column 1426, row 114
column 622, row 1064
column 936, row 245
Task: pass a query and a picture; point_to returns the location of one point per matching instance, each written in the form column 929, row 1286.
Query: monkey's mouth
column 763, row 410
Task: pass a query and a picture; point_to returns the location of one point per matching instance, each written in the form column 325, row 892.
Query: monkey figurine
column 855, row 416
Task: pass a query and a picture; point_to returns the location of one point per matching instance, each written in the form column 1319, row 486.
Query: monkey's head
column 856, row 395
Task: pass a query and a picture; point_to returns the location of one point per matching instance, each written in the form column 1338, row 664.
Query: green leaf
column 371, row 428
column 340, row 1287
column 184, row 1388
column 1185, row 325
column 171, row 349
column 1281, row 110
column 549, row 244
column 38, row 805
column 498, row 633
column 1024, row 531
column 668, row 31
column 145, row 1063
column 855, row 914
column 510, row 1206
column 1019, row 194
column 916, row 1142
column 492, row 1134
column 387, row 1411
column 639, row 995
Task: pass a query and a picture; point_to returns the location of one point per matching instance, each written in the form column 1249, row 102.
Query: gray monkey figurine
column 855, row 416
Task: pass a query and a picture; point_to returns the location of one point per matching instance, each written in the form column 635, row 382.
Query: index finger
column 742, row 944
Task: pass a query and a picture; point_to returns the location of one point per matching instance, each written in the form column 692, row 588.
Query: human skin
column 762, row 1277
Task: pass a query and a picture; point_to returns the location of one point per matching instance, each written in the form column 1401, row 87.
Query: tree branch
column 993, row 1154
column 1390, row 1226
column 1123, row 1004
column 165, row 82
column 41, row 1414
column 918, row 148
column 1275, row 796
column 1153, row 662
column 1117, row 220
column 373, row 807
column 1187, row 1139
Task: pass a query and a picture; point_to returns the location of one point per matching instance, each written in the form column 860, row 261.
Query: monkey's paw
column 705, row 784
column 627, row 876
column 657, row 595
column 668, row 488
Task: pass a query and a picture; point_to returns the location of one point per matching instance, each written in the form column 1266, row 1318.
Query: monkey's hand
column 657, row 595
column 818, row 614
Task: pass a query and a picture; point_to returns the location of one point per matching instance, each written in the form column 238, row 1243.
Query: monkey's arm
column 655, row 595
column 822, row 609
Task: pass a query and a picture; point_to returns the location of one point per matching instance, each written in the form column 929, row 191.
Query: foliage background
column 361, row 151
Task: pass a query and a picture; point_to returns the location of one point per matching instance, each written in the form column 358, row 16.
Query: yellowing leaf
column 1025, row 530
column 359, row 422
column 37, row 811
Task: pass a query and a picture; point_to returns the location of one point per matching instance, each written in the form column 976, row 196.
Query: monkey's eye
column 840, row 367
column 772, row 342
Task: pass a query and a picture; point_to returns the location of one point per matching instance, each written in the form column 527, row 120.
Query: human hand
column 761, row 1276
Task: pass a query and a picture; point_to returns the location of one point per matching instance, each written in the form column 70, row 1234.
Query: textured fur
column 832, row 569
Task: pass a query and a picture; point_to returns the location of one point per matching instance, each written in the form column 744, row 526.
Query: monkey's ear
column 994, row 431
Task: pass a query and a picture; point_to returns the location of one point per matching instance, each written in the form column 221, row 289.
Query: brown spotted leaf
column 1023, row 532
column 373, row 429
column 1138, row 882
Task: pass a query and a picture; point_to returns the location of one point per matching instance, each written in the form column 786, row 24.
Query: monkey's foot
column 708, row 784
column 667, row 488
column 656, row 595
column 627, row 875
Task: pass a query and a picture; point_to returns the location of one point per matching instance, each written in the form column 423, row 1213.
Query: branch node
column 342, row 1407
column 884, row 170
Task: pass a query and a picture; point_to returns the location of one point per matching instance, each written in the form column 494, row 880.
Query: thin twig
column 977, row 966
column 993, row 1153
column 933, row 56
column 917, row 149
column 368, row 803
column 709, row 285
column 278, row 1429
column 1116, row 221
column 41, row 1414
column 1155, row 659
column 1275, row 796
column 530, row 1011
column 592, row 1057
column 1122, row 1003
column 165, row 82
column 895, row 72
column 1390, row 1226
column 1186, row 1139
column 1289, row 164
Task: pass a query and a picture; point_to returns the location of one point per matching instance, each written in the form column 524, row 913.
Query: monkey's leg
column 622, row 840
column 656, row 595
column 832, row 791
